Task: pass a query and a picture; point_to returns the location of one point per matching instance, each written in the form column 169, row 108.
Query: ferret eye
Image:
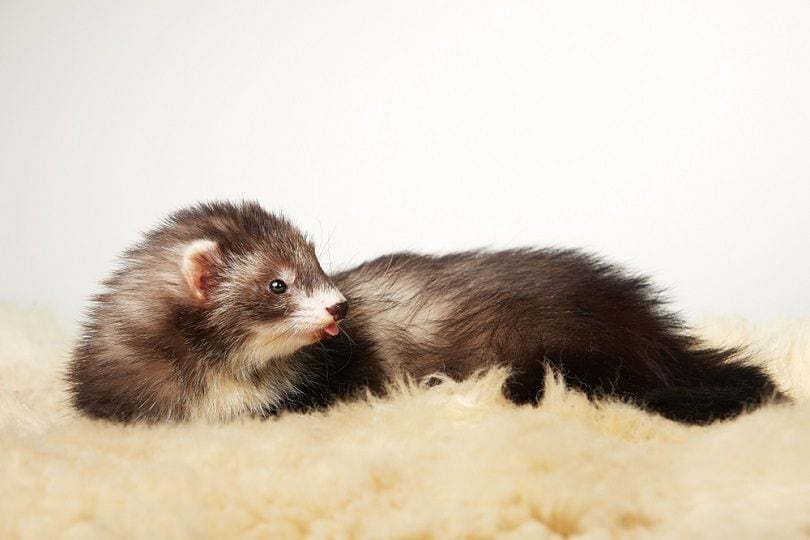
column 277, row 286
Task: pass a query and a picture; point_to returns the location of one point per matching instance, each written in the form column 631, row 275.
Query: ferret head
column 257, row 280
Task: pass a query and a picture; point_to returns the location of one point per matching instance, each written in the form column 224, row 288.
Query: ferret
column 224, row 310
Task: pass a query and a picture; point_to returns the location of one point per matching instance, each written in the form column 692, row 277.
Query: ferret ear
column 200, row 260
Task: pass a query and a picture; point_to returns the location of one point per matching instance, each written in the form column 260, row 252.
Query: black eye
column 277, row 286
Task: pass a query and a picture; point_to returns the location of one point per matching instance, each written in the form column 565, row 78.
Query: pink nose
column 338, row 311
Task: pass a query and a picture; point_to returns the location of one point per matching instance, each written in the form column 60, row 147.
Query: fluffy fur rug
column 454, row 460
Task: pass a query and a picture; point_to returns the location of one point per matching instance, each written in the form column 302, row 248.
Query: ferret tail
column 712, row 385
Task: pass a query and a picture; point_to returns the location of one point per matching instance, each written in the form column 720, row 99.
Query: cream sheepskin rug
column 450, row 461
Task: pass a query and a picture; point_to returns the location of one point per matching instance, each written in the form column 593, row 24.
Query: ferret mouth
column 326, row 333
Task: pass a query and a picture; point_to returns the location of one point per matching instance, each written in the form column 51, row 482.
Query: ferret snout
column 338, row 311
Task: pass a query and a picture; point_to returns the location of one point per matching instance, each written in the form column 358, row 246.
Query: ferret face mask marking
column 281, row 299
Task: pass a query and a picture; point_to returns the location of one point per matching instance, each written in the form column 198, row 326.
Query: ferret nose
column 338, row 311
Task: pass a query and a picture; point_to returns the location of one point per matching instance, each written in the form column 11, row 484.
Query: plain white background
column 673, row 137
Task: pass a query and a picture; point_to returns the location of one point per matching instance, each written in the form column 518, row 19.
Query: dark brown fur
column 149, row 350
column 605, row 331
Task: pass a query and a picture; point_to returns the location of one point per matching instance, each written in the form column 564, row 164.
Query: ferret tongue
column 332, row 330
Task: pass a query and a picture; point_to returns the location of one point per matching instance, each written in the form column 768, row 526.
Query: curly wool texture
column 452, row 460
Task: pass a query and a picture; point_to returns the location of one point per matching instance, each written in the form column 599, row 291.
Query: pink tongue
column 332, row 330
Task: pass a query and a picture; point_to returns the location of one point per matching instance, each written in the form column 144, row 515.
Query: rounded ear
column 200, row 260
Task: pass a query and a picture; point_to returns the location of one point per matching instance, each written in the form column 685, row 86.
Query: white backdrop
column 671, row 136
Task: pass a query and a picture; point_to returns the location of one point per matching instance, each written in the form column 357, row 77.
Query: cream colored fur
column 454, row 460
